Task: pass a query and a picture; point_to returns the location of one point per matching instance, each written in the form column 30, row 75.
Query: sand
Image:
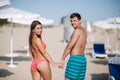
column 97, row 68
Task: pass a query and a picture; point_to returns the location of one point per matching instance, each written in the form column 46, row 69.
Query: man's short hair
column 76, row 15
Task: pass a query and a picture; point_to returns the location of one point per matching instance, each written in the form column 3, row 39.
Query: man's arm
column 70, row 44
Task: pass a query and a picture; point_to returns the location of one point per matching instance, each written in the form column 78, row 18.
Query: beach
column 97, row 68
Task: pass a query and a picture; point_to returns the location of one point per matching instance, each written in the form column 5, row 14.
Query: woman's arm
column 30, row 53
column 44, row 52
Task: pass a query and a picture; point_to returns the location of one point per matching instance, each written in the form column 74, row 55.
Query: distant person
column 76, row 65
column 40, row 67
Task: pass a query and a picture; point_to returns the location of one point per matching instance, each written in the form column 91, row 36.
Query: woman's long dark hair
column 32, row 27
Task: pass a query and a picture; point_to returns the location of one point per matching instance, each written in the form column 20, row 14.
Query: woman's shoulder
column 37, row 40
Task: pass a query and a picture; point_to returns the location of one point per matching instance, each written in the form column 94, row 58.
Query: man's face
column 75, row 22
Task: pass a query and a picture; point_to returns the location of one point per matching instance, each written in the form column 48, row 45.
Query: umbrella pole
column 11, row 48
column 116, row 51
column 108, row 42
column 108, row 46
column 117, row 42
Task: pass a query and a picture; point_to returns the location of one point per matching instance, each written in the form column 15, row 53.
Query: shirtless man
column 76, row 65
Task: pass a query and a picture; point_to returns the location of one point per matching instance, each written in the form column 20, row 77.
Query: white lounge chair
column 99, row 50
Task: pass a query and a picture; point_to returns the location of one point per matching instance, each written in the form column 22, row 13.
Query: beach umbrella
column 12, row 13
column 4, row 2
column 26, row 21
column 111, row 23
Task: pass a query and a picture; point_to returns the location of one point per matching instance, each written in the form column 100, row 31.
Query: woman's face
column 38, row 29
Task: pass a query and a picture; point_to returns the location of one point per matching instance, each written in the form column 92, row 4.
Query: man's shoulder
column 82, row 29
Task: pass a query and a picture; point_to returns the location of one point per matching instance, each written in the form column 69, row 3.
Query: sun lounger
column 99, row 50
column 114, row 68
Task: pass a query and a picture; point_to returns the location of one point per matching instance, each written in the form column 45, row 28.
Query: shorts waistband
column 77, row 55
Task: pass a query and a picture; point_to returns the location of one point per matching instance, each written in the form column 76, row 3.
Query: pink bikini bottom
column 36, row 62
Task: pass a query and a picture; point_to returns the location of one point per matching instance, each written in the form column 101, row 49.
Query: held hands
column 61, row 64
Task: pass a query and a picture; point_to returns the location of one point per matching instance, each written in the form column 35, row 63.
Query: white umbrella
column 16, row 13
column 111, row 23
column 12, row 13
column 4, row 2
column 26, row 21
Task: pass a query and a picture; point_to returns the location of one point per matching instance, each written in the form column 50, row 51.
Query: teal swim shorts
column 76, row 67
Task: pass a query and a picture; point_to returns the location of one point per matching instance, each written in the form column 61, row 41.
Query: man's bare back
column 79, row 46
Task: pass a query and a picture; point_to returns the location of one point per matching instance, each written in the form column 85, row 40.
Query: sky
column 92, row 10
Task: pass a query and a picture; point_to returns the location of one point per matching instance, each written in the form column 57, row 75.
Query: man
column 76, row 65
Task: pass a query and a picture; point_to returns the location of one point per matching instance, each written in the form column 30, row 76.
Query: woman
column 40, row 58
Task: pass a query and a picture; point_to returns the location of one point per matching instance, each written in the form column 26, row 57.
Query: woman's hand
column 61, row 64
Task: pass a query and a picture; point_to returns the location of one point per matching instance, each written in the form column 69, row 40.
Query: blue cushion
column 114, row 70
column 99, row 48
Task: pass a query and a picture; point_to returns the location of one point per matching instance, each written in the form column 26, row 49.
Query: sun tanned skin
column 77, row 42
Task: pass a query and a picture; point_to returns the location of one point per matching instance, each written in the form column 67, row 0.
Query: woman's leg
column 35, row 75
column 45, row 70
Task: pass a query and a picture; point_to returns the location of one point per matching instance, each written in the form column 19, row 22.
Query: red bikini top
column 38, row 50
